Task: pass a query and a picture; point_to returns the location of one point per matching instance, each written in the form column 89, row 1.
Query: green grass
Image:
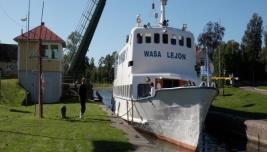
column 11, row 92
column 262, row 87
column 241, row 102
column 21, row 130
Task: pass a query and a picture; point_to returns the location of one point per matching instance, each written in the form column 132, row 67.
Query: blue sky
column 62, row 17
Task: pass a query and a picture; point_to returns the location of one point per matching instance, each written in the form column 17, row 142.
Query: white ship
column 166, row 57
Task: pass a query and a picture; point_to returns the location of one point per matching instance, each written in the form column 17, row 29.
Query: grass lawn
column 11, row 92
column 262, row 87
column 21, row 131
column 242, row 103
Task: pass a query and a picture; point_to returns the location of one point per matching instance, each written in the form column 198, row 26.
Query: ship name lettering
column 174, row 55
column 152, row 54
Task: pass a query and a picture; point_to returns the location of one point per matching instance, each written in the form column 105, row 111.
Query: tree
column 251, row 44
column 218, row 59
column 106, row 67
column 263, row 53
column 212, row 36
column 232, row 57
column 71, row 47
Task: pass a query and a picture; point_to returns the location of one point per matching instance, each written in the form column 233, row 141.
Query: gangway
column 85, row 31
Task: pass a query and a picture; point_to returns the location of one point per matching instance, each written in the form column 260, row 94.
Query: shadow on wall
column 103, row 146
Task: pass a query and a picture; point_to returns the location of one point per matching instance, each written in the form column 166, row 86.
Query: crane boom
column 89, row 22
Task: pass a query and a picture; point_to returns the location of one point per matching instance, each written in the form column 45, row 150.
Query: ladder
column 85, row 30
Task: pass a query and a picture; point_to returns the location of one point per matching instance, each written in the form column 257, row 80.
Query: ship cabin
column 162, row 55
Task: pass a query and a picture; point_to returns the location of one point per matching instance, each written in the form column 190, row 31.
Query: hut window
column 156, row 38
column 55, row 52
column 45, row 51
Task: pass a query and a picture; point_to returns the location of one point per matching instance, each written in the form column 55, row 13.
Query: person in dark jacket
column 83, row 96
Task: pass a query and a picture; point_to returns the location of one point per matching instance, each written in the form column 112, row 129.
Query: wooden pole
column 40, row 74
column 40, row 92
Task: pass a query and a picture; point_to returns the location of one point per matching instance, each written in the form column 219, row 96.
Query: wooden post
column 40, row 75
column 40, row 86
column 127, row 107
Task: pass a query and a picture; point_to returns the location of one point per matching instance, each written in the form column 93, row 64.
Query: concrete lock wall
column 52, row 85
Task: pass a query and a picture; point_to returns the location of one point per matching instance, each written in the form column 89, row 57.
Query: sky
column 119, row 16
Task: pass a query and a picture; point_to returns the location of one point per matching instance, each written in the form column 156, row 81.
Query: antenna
column 42, row 12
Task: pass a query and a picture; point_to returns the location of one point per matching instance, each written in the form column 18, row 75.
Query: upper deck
column 158, row 50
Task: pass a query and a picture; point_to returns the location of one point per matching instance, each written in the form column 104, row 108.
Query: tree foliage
column 252, row 39
column 212, row 36
column 251, row 46
column 106, row 67
column 71, row 47
column 263, row 53
column 227, row 57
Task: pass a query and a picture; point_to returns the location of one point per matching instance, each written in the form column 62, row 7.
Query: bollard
column 63, row 111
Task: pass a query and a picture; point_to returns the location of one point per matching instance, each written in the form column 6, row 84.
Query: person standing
column 83, row 96
column 152, row 89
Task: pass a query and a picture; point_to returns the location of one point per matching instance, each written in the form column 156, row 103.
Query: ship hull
column 175, row 115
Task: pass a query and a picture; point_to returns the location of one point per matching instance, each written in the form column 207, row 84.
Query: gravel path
column 253, row 89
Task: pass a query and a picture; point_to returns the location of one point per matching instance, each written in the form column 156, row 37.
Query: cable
column 9, row 17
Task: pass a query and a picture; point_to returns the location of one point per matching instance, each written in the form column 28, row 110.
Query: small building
column 52, row 55
column 8, row 60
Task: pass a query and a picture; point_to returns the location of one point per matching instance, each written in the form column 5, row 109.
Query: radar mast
column 163, row 21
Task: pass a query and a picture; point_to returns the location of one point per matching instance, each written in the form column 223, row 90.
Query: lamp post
column 224, row 71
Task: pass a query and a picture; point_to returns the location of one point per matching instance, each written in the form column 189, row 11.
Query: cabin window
column 139, row 38
column 188, row 42
column 173, row 40
column 181, row 40
column 45, row 51
column 156, row 38
column 165, row 38
column 148, row 38
column 55, row 52
column 143, row 90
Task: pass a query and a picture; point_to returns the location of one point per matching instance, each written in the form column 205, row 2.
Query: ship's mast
column 163, row 21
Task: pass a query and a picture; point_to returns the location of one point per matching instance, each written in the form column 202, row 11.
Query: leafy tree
column 227, row 58
column 232, row 57
column 212, row 36
column 91, row 70
column 71, row 47
column 218, row 59
column 105, row 70
column 251, row 44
